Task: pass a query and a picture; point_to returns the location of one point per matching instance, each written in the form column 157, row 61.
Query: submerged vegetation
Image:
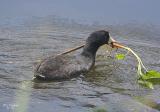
column 120, row 56
column 99, row 109
column 146, row 77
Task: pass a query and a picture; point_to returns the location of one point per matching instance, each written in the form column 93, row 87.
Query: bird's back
column 63, row 67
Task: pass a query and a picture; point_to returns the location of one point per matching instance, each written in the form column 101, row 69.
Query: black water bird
column 66, row 66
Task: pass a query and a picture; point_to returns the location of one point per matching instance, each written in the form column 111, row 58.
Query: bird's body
column 62, row 68
column 68, row 66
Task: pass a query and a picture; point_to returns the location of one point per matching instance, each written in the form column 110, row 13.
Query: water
column 111, row 84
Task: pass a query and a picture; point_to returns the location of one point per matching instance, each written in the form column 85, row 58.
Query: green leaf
column 146, row 83
column 120, row 56
column 150, row 85
column 151, row 74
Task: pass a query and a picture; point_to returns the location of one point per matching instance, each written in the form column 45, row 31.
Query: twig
column 71, row 50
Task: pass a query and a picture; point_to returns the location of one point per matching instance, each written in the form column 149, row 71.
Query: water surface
column 111, row 84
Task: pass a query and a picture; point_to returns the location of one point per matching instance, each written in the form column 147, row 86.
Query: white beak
column 111, row 39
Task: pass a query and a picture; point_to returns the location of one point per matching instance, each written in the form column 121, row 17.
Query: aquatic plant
column 120, row 56
column 145, row 76
column 99, row 109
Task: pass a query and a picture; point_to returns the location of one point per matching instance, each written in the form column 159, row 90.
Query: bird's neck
column 90, row 50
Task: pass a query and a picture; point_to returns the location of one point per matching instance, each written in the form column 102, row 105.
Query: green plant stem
column 140, row 64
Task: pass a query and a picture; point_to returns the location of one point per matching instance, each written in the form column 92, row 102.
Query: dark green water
column 111, row 85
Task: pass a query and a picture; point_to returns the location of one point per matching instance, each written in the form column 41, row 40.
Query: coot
column 66, row 66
